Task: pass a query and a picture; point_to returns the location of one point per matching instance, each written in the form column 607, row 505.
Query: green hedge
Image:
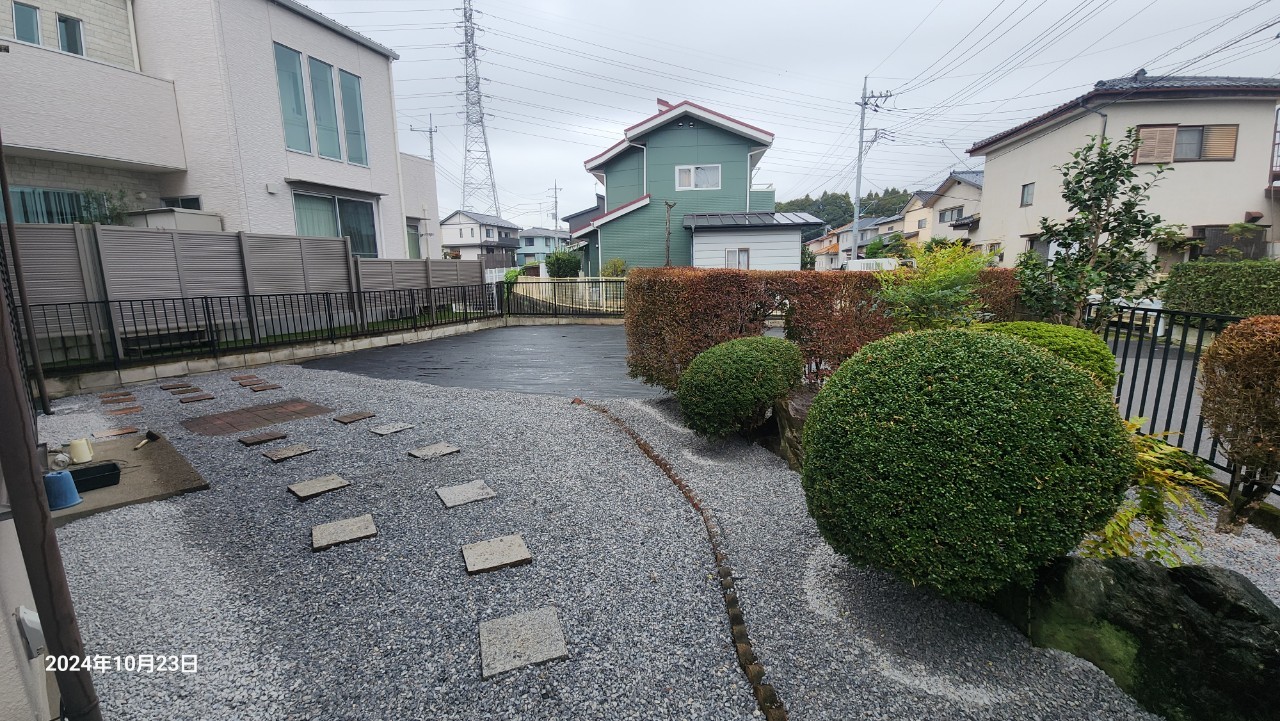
column 1243, row 288
column 1074, row 345
column 731, row 387
column 962, row 461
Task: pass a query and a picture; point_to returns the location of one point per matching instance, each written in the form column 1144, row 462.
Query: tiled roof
column 483, row 219
column 543, row 232
column 1143, row 85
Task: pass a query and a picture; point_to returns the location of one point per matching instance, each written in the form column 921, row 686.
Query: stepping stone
column 260, row 438
column 243, row 378
column 464, row 494
column 328, row 535
column 316, row 486
column 197, row 398
column 116, row 394
column 125, row 411
column 435, row 450
column 495, row 554
column 283, row 454
column 265, row 387
column 184, row 391
column 350, row 418
column 520, row 640
column 121, row 399
column 252, row 382
column 174, row 386
column 391, row 428
column 115, row 432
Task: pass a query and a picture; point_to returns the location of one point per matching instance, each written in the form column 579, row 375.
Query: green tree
column 808, row 261
column 563, row 264
column 834, row 209
column 890, row 202
column 941, row 292
column 893, row 245
column 1101, row 246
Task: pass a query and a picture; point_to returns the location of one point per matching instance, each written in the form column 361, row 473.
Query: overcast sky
column 562, row 78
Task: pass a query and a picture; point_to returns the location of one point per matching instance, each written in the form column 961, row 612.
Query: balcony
column 65, row 107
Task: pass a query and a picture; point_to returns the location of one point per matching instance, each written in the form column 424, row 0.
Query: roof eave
column 337, row 27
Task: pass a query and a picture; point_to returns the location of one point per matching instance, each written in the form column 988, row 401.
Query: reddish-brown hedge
column 829, row 315
column 998, row 289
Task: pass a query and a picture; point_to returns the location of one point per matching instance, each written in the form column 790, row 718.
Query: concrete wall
column 769, row 249
column 1192, row 193
column 100, row 114
column 223, row 67
column 23, row 683
column 418, row 183
column 104, row 25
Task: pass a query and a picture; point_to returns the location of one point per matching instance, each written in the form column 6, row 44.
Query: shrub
column 732, row 386
column 563, row 264
column 940, row 293
column 1240, row 388
column 1074, row 345
column 512, row 275
column 962, row 461
column 1244, row 288
column 998, row 289
column 614, row 268
column 829, row 315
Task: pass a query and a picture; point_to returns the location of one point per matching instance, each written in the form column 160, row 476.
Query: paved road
column 568, row 360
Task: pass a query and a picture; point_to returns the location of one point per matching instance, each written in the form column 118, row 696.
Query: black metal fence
column 1158, row 354
column 80, row 337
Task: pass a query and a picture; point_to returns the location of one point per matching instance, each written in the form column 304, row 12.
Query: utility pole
column 555, row 203
column 430, row 130
column 874, row 99
column 479, row 187
column 669, row 205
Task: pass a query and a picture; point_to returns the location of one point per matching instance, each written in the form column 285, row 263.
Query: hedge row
column 1244, row 288
column 673, row 314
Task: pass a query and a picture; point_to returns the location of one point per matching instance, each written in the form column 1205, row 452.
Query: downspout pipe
column 644, row 164
column 1100, row 114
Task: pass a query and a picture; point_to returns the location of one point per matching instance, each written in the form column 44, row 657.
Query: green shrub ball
column 1074, row 345
column 731, row 387
column 962, row 461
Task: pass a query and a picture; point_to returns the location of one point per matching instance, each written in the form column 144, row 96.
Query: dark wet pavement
column 569, row 360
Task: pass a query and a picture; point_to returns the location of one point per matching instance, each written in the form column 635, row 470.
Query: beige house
column 1216, row 134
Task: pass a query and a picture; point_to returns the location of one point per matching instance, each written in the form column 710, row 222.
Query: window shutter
column 1219, row 142
column 1157, row 144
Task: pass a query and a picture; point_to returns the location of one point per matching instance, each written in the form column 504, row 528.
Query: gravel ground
column 387, row 628
column 842, row 642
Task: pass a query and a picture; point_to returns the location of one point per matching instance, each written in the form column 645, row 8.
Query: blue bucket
column 60, row 489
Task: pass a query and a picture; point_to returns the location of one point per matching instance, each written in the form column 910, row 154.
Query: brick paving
column 350, row 418
column 260, row 438
column 120, row 399
column 253, row 417
column 197, row 397
column 125, row 411
column 265, row 387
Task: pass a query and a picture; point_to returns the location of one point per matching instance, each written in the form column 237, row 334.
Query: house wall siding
column 418, row 180
column 104, row 24
column 769, row 249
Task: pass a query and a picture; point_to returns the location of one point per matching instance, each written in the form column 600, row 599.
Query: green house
column 692, row 167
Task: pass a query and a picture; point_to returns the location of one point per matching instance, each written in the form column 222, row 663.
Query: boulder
column 1195, row 642
column 789, row 414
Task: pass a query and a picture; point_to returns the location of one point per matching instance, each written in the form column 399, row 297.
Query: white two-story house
column 1217, row 135
column 468, row 235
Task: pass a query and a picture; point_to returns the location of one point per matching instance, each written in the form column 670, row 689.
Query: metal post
column 209, row 326
column 333, row 326
column 33, row 346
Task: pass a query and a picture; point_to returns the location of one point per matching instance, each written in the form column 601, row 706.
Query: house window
column 186, row 202
column 922, row 222
column 697, row 177
column 327, row 216
column 26, row 23
column 950, row 215
column 413, row 235
column 1183, row 143
column 739, row 258
column 1028, row 194
column 473, row 232
column 459, row 232
column 326, row 109
column 44, row 205
column 70, row 35
column 353, row 118
column 528, row 242
column 293, row 100
column 488, row 232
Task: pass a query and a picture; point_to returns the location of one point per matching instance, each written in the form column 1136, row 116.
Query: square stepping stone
column 435, row 450
column 328, row 535
column 264, row 387
column 259, row 438
column 125, row 411
column 495, row 554
column 252, row 382
column 243, row 377
column 391, row 428
column 121, row 399
column 283, row 454
column 197, row 398
column 115, row 394
column 115, row 432
column 174, row 386
column 350, row 418
column 316, row 486
column 520, row 640
column 464, row 494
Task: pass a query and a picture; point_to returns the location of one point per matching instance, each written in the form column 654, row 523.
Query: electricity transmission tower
column 479, row 188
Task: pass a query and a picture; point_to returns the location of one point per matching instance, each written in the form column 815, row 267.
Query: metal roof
column 972, row 177
column 337, row 27
column 709, row 221
column 543, row 232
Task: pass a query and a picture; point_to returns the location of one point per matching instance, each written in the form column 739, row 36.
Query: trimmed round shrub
column 731, row 387
column 962, row 461
column 1074, row 345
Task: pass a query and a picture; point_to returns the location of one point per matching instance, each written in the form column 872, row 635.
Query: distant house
column 1218, row 134
column 889, row 225
column 537, row 243
column 853, row 238
column 468, row 235
column 581, row 219
column 827, row 257
column 700, row 163
column 938, row 214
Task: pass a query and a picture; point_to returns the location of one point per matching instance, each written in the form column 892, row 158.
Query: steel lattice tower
column 479, row 188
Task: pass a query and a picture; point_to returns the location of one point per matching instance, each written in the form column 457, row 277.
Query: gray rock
column 317, row 486
column 435, row 450
column 519, row 640
column 465, row 493
column 328, row 535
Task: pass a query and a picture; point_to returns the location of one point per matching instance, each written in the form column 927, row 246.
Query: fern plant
column 1164, row 484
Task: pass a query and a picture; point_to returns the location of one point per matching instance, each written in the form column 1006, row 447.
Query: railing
column 593, row 297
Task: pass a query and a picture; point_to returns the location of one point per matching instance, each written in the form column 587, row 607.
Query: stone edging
column 766, row 697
